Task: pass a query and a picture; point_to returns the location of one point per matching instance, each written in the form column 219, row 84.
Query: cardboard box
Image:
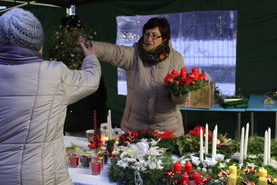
column 202, row 98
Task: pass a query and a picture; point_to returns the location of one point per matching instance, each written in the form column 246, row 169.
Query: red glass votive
column 101, row 159
column 73, row 161
column 95, row 167
column 105, row 155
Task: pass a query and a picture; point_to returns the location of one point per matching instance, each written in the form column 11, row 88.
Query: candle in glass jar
column 95, row 167
column 73, row 161
column 188, row 167
column 101, row 159
column 85, row 159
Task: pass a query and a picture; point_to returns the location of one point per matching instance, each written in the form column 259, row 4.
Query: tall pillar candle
column 201, row 146
column 214, row 145
column 109, row 125
column 241, row 146
column 269, row 145
column 95, row 126
column 246, row 141
column 206, row 139
column 265, row 147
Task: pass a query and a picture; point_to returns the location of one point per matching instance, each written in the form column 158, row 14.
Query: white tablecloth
column 80, row 175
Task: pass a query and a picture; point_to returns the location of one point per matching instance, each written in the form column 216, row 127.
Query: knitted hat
column 21, row 28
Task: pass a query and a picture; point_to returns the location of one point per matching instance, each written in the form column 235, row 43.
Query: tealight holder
column 73, row 161
column 95, row 167
column 85, row 160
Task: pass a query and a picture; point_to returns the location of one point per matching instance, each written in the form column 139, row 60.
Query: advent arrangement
column 200, row 157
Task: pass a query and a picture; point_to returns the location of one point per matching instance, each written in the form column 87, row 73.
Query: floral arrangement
column 95, row 142
column 143, row 157
column 183, row 82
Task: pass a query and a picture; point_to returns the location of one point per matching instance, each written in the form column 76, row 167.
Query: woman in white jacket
column 34, row 94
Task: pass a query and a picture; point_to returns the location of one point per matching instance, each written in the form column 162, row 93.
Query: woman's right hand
column 86, row 46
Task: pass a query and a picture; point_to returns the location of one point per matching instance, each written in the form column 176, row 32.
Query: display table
column 80, row 175
column 256, row 104
column 218, row 108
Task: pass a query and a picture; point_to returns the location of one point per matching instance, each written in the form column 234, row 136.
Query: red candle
column 196, row 177
column 73, row 160
column 101, row 159
column 184, row 178
column 177, row 167
column 95, row 128
column 188, row 167
column 95, row 167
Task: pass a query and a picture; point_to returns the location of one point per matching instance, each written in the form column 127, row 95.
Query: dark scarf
column 154, row 56
column 13, row 55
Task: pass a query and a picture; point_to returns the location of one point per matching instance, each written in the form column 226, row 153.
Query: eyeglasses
column 153, row 36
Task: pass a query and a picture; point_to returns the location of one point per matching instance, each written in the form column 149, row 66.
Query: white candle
column 246, row 141
column 109, row 125
column 214, row 145
column 241, row 146
column 201, row 145
column 216, row 130
column 265, row 147
column 269, row 145
column 206, row 138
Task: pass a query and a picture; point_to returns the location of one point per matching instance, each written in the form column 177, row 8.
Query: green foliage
column 255, row 145
column 217, row 182
column 65, row 47
column 188, row 143
column 181, row 90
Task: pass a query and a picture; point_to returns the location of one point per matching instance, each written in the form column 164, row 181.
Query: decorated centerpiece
column 153, row 157
column 182, row 83
column 190, row 89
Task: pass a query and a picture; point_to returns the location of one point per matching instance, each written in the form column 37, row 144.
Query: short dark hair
column 161, row 23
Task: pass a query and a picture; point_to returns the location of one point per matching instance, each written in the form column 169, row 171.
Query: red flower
column 130, row 136
column 95, row 143
column 196, row 132
column 195, row 70
column 165, row 135
column 184, row 82
column 174, row 73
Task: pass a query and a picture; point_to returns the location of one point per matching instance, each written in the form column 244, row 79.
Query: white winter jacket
column 33, row 103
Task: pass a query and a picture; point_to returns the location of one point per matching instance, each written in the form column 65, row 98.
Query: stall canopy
column 50, row 3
